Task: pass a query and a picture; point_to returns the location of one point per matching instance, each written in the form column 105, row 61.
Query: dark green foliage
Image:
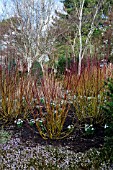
column 36, row 69
column 99, row 38
column 69, row 5
column 108, row 112
column 62, row 64
column 109, row 104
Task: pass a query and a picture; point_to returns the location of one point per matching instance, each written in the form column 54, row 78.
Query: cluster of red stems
column 49, row 102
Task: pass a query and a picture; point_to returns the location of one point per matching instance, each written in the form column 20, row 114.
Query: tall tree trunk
column 79, row 65
column 29, row 62
column 80, row 36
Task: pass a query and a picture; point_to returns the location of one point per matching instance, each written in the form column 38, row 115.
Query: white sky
column 58, row 6
column 1, row 6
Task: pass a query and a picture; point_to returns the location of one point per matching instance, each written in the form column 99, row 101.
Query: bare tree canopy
column 30, row 31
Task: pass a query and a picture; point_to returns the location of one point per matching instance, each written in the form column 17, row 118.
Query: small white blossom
column 32, row 121
column 89, row 98
column 70, row 127
column 19, row 121
column 74, row 97
column 87, row 127
column 106, row 126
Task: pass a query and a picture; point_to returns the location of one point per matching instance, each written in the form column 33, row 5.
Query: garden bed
column 25, row 149
column 59, row 125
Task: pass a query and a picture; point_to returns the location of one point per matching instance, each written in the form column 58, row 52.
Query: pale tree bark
column 80, row 35
column 31, row 31
column 79, row 17
column 83, row 47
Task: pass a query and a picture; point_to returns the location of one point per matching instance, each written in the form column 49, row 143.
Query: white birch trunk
column 80, row 36
column 29, row 62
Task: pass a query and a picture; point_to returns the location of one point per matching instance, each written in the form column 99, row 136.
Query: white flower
column 88, row 127
column 15, row 121
column 74, row 97
column 52, row 103
column 106, row 126
column 19, row 121
column 32, row 121
column 92, row 129
column 99, row 97
column 89, row 98
column 70, row 127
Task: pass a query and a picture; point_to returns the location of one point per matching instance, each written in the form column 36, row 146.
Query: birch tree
column 84, row 16
column 31, row 29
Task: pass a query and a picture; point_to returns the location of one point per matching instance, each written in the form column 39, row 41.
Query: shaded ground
column 77, row 141
column 27, row 150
